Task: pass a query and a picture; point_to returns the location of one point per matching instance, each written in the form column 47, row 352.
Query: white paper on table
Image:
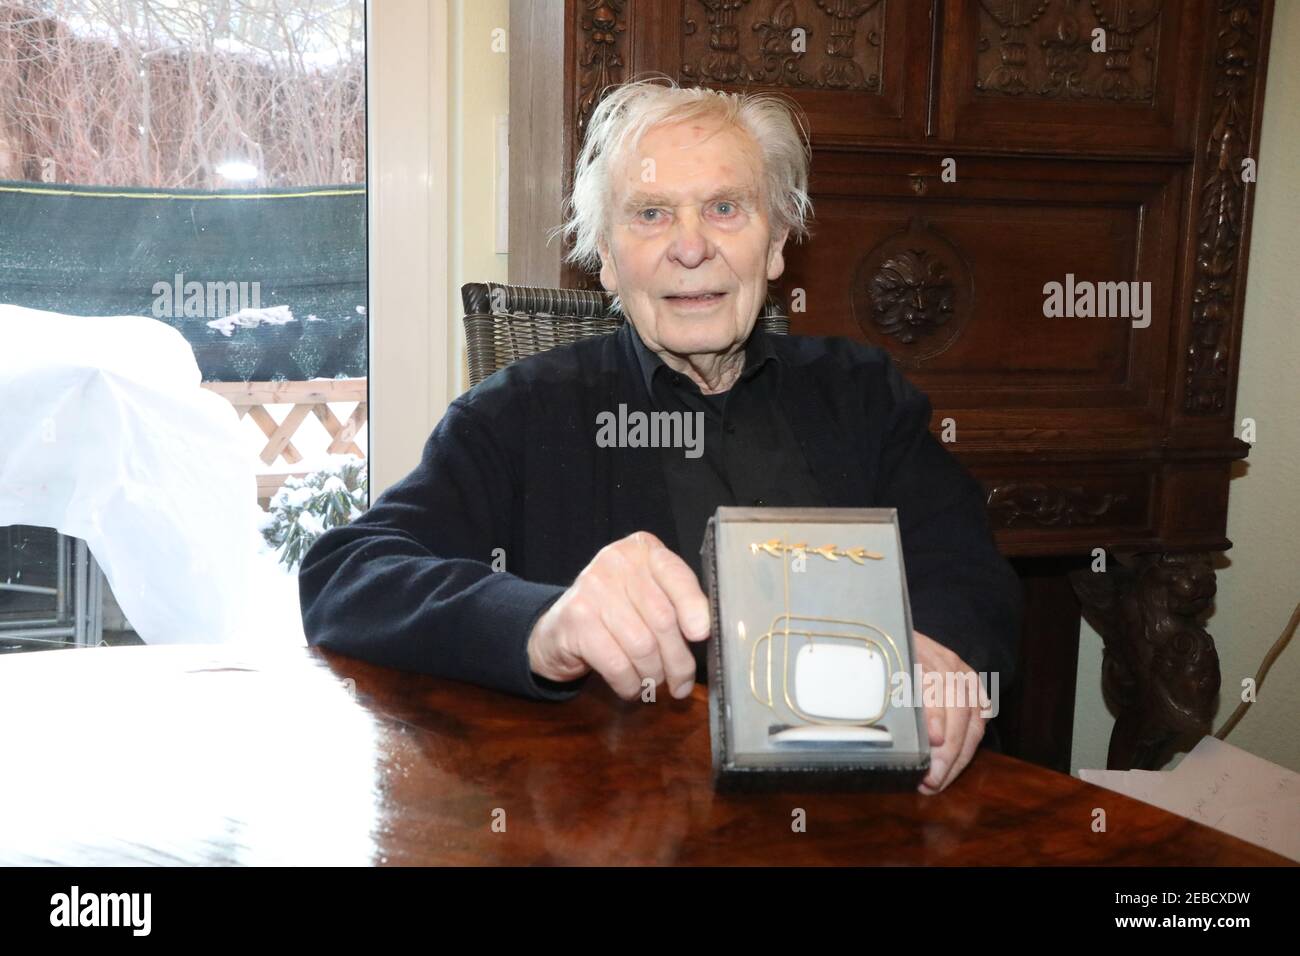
column 1223, row 787
column 1138, row 784
column 106, row 435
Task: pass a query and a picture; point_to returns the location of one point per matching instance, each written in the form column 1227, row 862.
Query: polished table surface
column 212, row 755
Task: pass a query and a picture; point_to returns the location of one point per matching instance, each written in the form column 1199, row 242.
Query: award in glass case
column 811, row 651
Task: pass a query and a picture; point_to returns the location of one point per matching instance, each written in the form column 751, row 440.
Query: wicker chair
column 504, row 323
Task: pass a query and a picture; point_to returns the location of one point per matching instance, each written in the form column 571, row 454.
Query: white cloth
column 106, row 435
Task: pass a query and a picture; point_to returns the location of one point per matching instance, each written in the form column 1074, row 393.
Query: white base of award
column 833, row 735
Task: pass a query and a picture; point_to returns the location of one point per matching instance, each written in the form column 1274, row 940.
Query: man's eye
column 726, row 207
column 647, row 215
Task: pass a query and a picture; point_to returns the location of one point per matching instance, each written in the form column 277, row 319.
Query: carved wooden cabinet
column 967, row 153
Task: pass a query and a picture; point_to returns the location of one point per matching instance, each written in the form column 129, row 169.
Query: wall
column 480, row 92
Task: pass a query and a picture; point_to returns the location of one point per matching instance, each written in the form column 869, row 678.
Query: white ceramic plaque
column 840, row 681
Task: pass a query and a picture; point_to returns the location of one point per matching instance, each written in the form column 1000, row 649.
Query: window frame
column 411, row 343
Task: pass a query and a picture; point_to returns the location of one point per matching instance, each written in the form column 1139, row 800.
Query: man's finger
column 676, row 579
column 934, row 723
column 606, row 657
column 660, row 617
column 935, row 729
column 639, row 645
column 955, row 723
column 974, row 734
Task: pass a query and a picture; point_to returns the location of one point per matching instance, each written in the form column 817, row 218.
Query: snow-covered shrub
column 305, row 508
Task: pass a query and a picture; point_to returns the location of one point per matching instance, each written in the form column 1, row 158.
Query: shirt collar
column 758, row 352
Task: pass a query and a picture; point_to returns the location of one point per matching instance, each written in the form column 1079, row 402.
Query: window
column 200, row 165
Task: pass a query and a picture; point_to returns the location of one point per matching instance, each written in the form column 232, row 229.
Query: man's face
column 688, row 216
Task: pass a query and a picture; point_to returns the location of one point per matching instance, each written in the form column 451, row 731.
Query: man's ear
column 608, row 276
column 776, row 255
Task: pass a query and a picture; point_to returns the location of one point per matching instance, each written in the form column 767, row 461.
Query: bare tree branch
column 161, row 93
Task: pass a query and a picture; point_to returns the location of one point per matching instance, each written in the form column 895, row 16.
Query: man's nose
column 690, row 245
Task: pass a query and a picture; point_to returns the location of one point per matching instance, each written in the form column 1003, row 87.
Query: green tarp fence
column 85, row 250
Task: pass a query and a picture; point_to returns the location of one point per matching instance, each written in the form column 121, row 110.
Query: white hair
column 626, row 114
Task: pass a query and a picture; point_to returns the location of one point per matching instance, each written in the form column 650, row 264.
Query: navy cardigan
column 512, row 472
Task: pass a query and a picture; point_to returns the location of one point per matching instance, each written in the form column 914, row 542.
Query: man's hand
column 955, row 732
column 628, row 617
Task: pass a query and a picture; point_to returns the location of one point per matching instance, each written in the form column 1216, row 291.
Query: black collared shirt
column 750, row 455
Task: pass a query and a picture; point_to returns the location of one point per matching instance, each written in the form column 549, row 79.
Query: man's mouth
column 696, row 298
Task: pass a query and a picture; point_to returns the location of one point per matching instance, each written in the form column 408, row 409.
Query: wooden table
column 192, row 755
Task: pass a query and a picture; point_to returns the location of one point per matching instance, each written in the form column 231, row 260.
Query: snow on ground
column 274, row 603
column 275, row 600
column 252, row 318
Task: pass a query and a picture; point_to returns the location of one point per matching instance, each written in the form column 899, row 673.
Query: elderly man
column 524, row 553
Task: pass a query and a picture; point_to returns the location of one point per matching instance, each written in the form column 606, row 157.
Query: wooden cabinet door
column 1023, row 74
column 859, row 68
column 950, row 279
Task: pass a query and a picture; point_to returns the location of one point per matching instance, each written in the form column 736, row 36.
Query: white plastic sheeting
column 106, row 435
